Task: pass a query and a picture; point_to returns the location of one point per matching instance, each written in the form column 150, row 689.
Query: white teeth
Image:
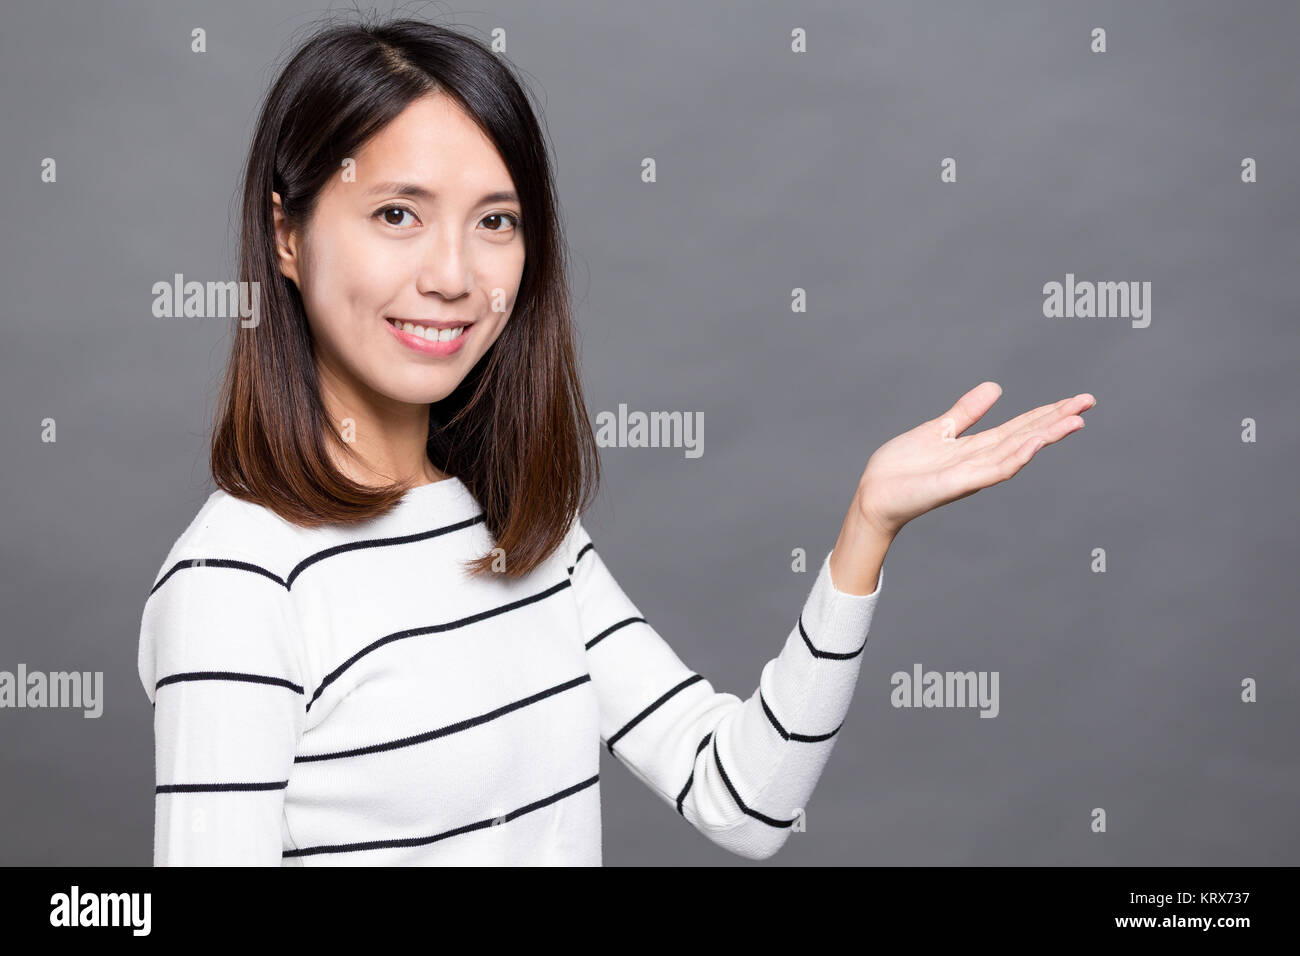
column 428, row 332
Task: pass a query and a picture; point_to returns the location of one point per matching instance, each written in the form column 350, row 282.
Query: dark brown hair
column 515, row 430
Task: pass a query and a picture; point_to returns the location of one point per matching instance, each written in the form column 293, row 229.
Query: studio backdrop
column 799, row 230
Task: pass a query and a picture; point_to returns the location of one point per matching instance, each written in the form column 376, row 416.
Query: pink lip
column 420, row 344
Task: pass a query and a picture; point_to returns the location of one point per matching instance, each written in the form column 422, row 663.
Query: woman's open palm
column 935, row 463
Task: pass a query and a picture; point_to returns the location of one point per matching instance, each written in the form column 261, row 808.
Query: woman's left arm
column 737, row 770
column 741, row 771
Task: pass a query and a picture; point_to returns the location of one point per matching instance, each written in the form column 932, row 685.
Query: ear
column 286, row 241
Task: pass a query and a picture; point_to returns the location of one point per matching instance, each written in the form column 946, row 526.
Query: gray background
column 1119, row 690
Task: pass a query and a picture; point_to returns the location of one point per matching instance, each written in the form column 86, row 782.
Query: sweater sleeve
column 219, row 660
column 740, row 772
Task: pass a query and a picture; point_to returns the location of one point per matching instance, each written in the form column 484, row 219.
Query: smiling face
column 429, row 233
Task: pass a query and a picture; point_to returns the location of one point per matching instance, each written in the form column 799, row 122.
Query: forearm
column 858, row 555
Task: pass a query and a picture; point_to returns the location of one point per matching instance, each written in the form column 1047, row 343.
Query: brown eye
column 388, row 213
column 512, row 220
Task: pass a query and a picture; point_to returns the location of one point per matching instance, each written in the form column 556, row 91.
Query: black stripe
column 788, row 735
column 578, row 557
column 434, row 629
column 831, row 655
column 802, row 738
column 228, row 675
column 450, row 728
column 681, row 797
column 815, row 738
column 770, row 821
column 422, row 841
column 216, row 563
column 305, row 563
column 318, row 556
column 217, row 787
column 612, row 628
column 666, row 696
column 589, row 546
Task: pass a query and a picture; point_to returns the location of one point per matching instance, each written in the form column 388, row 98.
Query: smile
column 427, row 339
column 428, row 332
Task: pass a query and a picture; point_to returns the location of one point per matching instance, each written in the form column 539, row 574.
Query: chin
column 427, row 396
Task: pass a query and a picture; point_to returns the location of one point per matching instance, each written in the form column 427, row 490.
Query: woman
column 387, row 637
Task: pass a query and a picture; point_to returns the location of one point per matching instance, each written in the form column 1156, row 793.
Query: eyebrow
column 419, row 192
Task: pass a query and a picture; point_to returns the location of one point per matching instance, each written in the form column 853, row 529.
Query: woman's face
column 423, row 227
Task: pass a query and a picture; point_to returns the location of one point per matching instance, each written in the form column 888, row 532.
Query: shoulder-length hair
column 515, row 431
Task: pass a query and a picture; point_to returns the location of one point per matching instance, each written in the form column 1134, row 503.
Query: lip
column 440, row 349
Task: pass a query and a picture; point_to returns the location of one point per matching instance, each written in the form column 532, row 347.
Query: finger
column 991, row 436
column 1034, row 420
column 1018, row 459
column 994, row 471
column 1049, row 434
column 970, row 408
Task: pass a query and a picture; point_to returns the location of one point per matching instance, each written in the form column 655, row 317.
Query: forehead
column 433, row 143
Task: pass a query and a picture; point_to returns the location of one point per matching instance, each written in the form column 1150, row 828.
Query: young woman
column 386, row 638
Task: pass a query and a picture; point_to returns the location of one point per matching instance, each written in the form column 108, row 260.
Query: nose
column 445, row 266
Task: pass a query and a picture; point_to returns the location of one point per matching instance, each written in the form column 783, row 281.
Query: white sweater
column 350, row 696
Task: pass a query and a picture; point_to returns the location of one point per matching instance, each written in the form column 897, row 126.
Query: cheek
column 504, row 274
column 351, row 281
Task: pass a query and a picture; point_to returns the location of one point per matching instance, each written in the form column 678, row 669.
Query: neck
column 388, row 439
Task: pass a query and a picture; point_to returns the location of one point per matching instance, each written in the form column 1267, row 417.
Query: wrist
column 859, row 554
column 867, row 519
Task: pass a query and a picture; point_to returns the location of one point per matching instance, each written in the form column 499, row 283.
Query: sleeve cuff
column 834, row 620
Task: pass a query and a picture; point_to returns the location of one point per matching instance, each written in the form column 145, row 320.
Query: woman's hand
column 935, row 463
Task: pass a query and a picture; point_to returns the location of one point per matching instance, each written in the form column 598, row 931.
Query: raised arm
column 739, row 772
column 219, row 660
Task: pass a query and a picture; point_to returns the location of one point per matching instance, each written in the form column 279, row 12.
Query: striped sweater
column 350, row 696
